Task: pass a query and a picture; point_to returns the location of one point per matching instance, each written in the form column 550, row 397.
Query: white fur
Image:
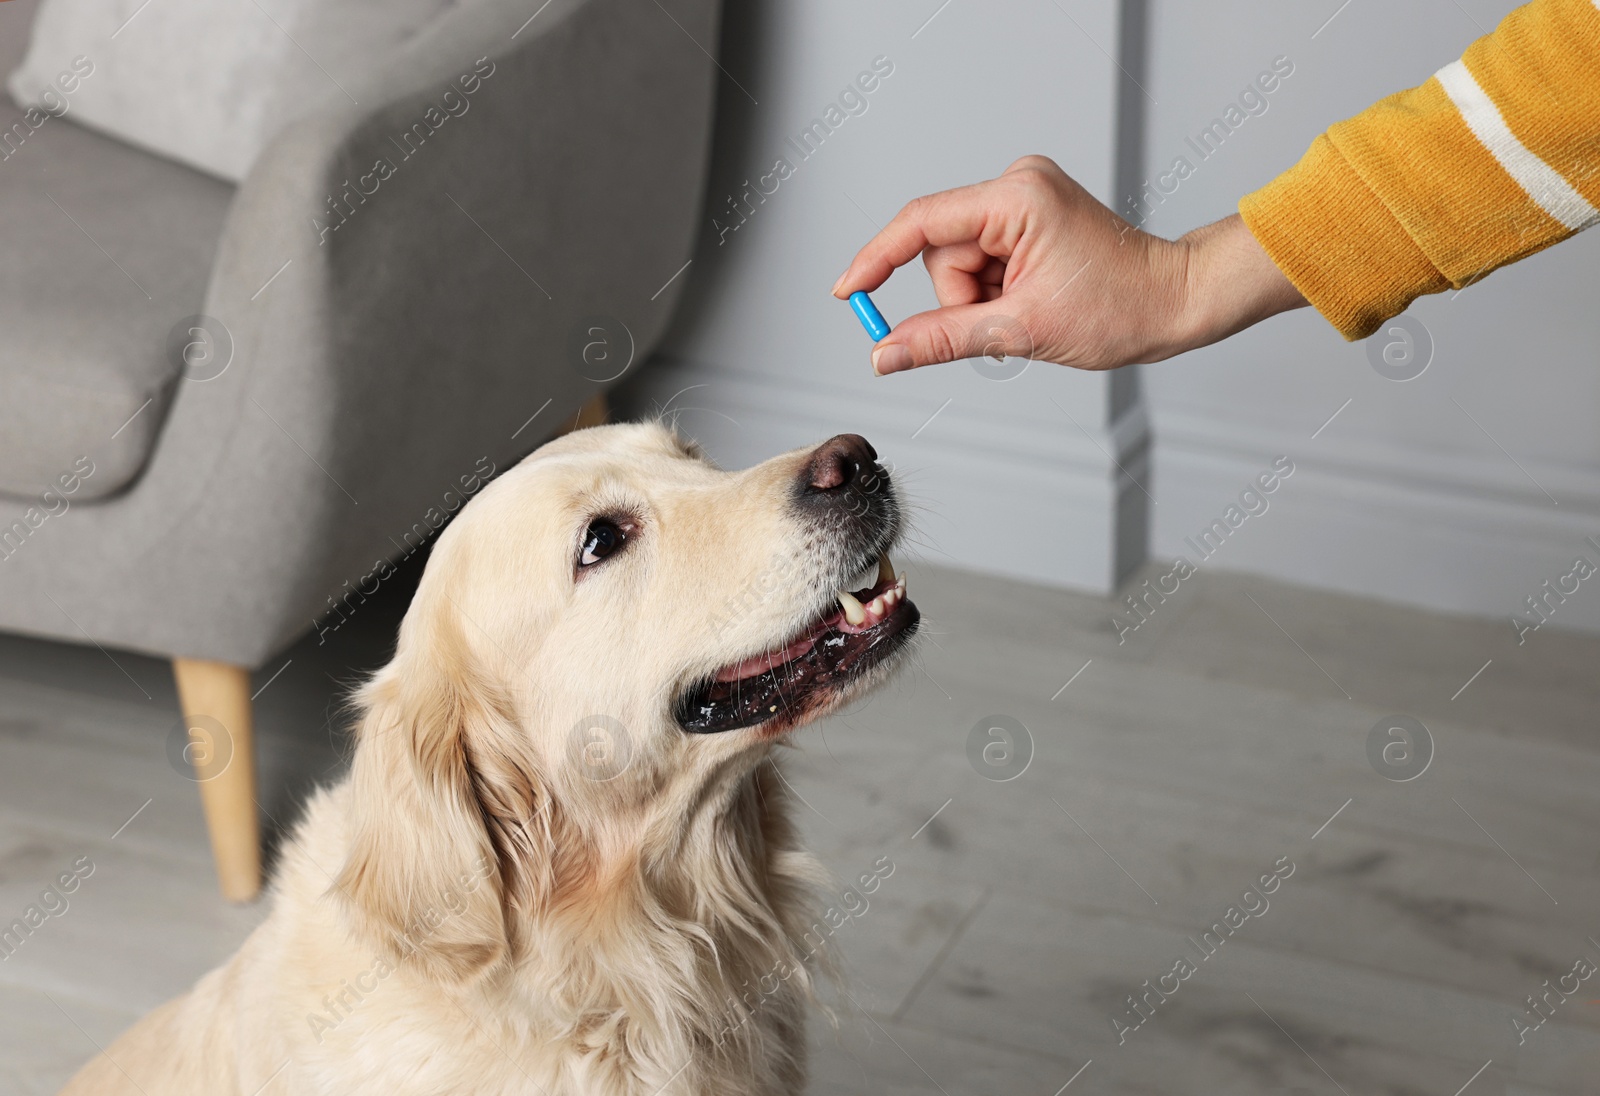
column 468, row 912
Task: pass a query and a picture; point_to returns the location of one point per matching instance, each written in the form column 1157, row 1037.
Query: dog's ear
column 449, row 827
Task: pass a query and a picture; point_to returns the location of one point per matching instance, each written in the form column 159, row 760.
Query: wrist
column 1229, row 284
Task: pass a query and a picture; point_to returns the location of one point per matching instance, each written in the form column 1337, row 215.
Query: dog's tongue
column 760, row 664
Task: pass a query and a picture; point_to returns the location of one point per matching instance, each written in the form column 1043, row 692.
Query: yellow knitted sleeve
column 1495, row 157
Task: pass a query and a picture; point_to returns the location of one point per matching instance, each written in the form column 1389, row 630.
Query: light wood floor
column 1227, row 738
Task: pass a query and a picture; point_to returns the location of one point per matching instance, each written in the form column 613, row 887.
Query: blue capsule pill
column 868, row 314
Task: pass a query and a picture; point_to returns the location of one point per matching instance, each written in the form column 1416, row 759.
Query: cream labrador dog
column 560, row 863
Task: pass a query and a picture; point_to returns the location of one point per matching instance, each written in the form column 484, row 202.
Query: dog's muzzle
column 848, row 500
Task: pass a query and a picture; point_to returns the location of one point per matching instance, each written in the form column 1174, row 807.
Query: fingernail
column 890, row 358
column 838, row 283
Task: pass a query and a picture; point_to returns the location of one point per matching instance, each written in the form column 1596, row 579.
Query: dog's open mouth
column 789, row 682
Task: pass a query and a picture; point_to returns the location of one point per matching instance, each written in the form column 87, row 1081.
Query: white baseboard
column 1458, row 533
column 1038, row 497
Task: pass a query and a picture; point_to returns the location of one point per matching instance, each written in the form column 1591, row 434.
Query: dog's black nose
column 840, row 487
column 837, row 462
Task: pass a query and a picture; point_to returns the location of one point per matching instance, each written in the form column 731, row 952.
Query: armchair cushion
column 208, row 83
column 107, row 248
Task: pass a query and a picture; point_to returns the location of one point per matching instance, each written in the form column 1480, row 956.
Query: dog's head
column 604, row 645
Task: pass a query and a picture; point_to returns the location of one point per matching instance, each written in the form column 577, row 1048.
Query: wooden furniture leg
column 215, row 697
column 592, row 413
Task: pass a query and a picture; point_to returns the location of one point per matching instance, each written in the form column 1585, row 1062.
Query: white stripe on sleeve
column 1544, row 184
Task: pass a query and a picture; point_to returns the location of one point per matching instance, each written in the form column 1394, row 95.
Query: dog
column 562, row 859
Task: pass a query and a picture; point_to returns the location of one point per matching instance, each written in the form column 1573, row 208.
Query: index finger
column 948, row 217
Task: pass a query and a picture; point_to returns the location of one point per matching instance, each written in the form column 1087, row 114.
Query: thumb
column 950, row 334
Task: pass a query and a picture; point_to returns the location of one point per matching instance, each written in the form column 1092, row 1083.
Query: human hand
column 1031, row 264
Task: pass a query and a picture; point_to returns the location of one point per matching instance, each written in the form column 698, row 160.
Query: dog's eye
column 602, row 539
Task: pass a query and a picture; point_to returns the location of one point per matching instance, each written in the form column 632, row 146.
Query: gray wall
column 1402, row 496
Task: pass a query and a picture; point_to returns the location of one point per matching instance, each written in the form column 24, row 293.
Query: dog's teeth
column 885, row 568
column 853, row 612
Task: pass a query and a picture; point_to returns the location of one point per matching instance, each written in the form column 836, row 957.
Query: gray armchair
column 205, row 489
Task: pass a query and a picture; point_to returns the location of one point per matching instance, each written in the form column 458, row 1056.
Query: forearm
column 1230, row 283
